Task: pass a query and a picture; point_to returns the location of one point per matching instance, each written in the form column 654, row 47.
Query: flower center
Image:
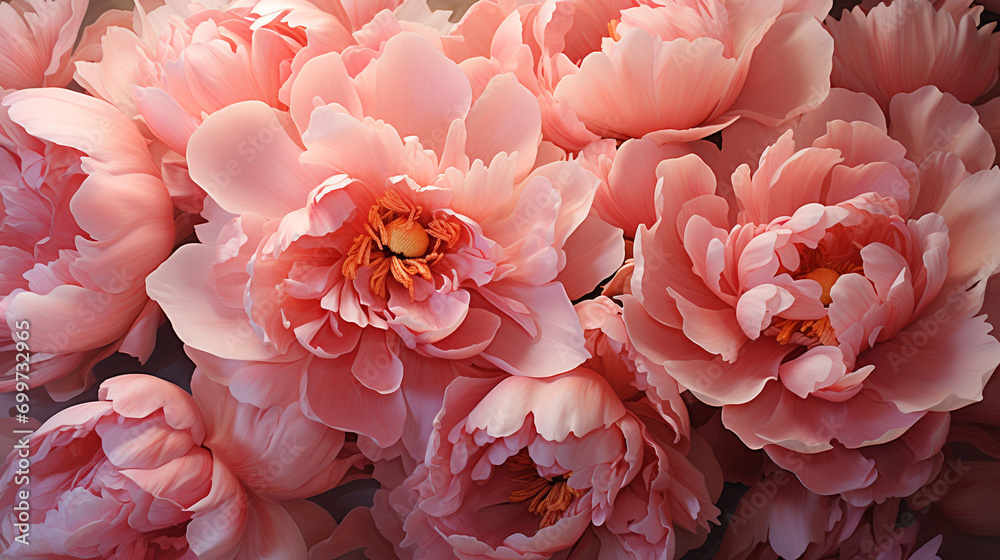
column 406, row 238
column 826, row 278
column 817, row 267
column 550, row 497
column 396, row 244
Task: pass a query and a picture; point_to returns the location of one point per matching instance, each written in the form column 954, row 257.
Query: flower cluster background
column 505, row 279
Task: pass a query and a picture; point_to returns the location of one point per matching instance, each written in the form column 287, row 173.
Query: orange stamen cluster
column 815, row 266
column 613, row 30
column 550, row 498
column 396, row 244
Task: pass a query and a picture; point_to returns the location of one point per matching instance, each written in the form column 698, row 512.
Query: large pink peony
column 664, row 69
column 779, row 518
column 85, row 217
column 919, row 43
column 36, row 41
column 276, row 452
column 829, row 301
column 528, row 468
column 184, row 61
column 367, row 248
column 128, row 477
column 903, row 46
column 679, row 70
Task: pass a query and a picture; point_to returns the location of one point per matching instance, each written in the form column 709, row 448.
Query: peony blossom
column 365, row 249
column 527, row 468
column 917, row 46
column 277, row 452
column 36, row 42
column 830, row 301
column 85, row 217
column 128, row 477
column 779, row 518
column 701, row 64
column 156, row 72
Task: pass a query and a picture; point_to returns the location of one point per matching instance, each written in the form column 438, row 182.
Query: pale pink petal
column 271, row 533
column 928, row 121
column 321, row 81
column 198, row 317
column 759, row 305
column 165, row 118
column 358, row 408
column 594, row 252
column 37, row 40
column 90, row 125
column 917, row 46
column 505, row 118
column 941, row 372
column 973, row 250
column 277, row 452
column 437, row 91
column 558, row 343
column 647, row 85
column 503, row 410
column 260, row 174
column 989, row 117
column 789, row 73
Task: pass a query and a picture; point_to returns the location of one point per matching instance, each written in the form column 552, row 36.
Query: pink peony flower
column 367, row 248
column 829, row 302
column 36, row 41
column 779, row 518
column 276, row 452
column 156, row 72
column 916, row 46
column 695, row 61
column 701, row 65
column 128, row 477
column 85, row 217
column 527, row 468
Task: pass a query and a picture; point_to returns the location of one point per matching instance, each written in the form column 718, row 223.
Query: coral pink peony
column 371, row 256
column 277, row 452
column 527, row 468
column 85, row 217
column 828, row 302
column 128, row 477
column 36, row 41
column 664, row 70
column 779, row 518
column 909, row 44
column 679, row 70
column 184, row 61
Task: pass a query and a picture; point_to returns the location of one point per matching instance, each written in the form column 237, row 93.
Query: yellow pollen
column 549, row 498
column 826, row 279
column 613, row 30
column 406, row 238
